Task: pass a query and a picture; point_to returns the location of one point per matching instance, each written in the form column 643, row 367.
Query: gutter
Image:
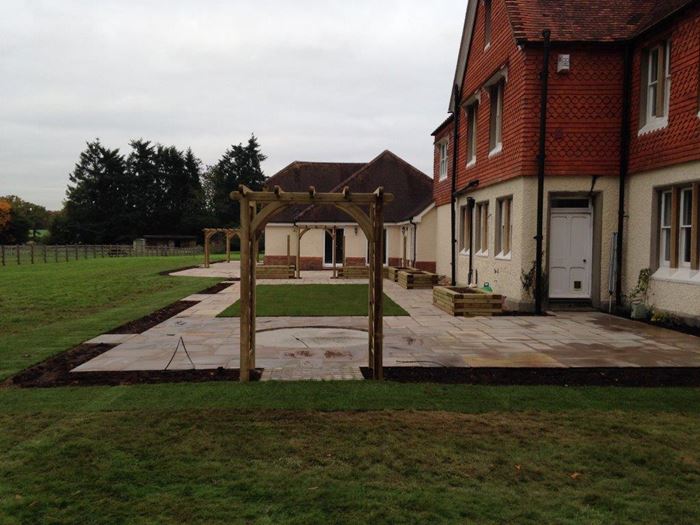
column 624, row 168
column 453, row 196
column 413, row 242
column 541, row 158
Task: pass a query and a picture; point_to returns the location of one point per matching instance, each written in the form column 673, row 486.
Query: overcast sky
column 325, row 80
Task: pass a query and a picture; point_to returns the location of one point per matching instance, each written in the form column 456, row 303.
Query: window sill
column 442, row 179
column 506, row 257
column 677, row 275
column 496, row 151
column 487, row 46
column 653, row 125
column 471, row 163
column 482, row 254
column 464, row 253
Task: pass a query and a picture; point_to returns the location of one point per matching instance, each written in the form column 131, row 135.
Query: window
column 496, row 117
column 686, row 226
column 679, row 227
column 504, row 226
column 481, row 228
column 471, row 134
column 656, row 86
column 442, row 151
column 665, row 234
column 466, row 225
column 487, row 24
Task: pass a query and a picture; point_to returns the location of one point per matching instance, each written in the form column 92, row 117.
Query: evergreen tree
column 239, row 165
column 95, row 199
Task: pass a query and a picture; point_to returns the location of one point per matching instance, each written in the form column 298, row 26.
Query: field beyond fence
column 49, row 253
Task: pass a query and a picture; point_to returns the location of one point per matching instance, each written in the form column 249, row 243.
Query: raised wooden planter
column 353, row 272
column 274, row 271
column 392, row 272
column 414, row 279
column 467, row 302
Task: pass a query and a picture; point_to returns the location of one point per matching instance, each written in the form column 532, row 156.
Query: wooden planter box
column 353, row 272
column 414, row 279
column 392, row 272
column 467, row 302
column 274, row 271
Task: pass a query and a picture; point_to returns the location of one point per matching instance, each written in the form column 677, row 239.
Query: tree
column 98, row 196
column 239, row 165
column 36, row 216
column 14, row 226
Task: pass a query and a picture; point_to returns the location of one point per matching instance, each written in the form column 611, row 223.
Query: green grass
column 48, row 308
column 313, row 300
column 360, row 452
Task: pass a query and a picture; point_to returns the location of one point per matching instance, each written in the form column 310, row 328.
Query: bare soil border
column 623, row 376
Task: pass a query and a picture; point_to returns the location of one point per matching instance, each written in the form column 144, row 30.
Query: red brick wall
column 680, row 140
column 355, row 261
column 427, row 266
column 441, row 189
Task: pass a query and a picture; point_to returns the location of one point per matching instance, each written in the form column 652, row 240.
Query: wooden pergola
column 230, row 233
column 300, row 231
column 253, row 221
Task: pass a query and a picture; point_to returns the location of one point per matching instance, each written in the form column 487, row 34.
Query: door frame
column 593, row 253
column 340, row 258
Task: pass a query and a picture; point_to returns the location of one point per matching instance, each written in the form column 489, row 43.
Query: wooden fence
column 43, row 253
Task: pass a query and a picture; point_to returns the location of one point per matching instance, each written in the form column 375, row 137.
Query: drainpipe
column 624, row 167
column 415, row 239
column 453, row 196
column 544, row 77
column 470, row 206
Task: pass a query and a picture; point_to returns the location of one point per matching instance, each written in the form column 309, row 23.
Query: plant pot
column 640, row 311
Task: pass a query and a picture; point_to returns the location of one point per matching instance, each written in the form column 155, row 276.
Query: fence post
column 18, row 255
column 2, row 249
column 44, row 252
column 55, row 253
column 31, row 253
column 75, row 246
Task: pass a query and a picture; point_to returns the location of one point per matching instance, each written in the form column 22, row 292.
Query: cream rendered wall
column 426, row 237
column 355, row 242
column 665, row 293
column 502, row 274
column 442, row 240
column 276, row 240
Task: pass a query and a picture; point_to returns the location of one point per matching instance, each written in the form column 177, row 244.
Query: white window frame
column 496, row 118
column 481, row 228
column 685, row 230
column 443, row 155
column 466, row 224
column 504, row 233
column 654, row 122
column 472, row 118
column 488, row 24
column 665, row 230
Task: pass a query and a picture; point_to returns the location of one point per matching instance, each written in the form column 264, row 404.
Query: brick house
column 409, row 220
column 622, row 119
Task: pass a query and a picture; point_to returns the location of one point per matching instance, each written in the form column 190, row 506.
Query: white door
column 570, row 256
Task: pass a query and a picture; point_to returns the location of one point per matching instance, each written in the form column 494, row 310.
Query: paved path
column 429, row 337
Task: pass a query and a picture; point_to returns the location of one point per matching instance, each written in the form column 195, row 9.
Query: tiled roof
column 587, row 20
column 412, row 188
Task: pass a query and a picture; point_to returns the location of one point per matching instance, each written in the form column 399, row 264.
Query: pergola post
column 245, row 319
column 228, row 247
column 376, row 300
column 298, row 268
column 333, row 253
column 206, row 249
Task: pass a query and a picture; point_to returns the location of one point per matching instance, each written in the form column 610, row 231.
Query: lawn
column 292, row 453
column 48, row 308
column 313, row 300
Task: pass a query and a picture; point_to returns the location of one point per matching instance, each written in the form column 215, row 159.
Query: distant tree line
column 154, row 189
column 22, row 221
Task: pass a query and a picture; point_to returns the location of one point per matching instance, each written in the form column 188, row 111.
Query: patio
column 290, row 349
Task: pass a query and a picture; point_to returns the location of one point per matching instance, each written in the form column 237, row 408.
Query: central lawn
column 48, row 308
column 349, row 453
column 313, row 300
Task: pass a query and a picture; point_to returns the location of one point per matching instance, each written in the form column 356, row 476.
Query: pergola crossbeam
column 230, row 233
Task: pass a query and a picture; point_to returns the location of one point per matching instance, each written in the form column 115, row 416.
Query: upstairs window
column 442, row 152
column 471, row 133
column 487, row 24
column 656, row 86
column 496, row 118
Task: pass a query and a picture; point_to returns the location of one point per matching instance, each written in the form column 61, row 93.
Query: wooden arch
column 209, row 233
column 253, row 221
